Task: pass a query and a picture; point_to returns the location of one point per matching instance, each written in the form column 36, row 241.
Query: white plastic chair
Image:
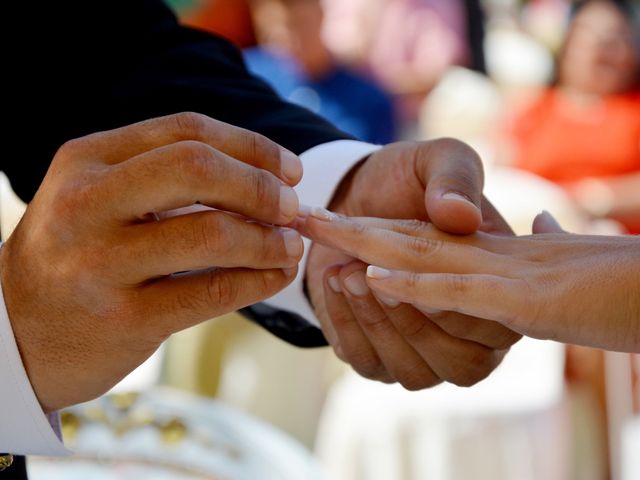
column 511, row 426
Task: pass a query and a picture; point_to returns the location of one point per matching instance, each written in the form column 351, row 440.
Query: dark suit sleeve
column 184, row 69
column 94, row 66
column 180, row 69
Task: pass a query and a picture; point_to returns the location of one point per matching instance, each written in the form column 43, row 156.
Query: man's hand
column 89, row 275
column 439, row 181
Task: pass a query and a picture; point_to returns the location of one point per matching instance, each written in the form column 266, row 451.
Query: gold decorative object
column 124, row 401
column 173, row 432
column 124, row 413
column 96, row 414
column 143, row 417
column 71, row 424
column 5, row 461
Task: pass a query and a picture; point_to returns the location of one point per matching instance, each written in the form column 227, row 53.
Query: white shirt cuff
column 24, row 428
column 324, row 168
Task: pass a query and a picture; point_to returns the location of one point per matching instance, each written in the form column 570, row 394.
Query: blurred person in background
column 230, row 19
column 407, row 44
column 293, row 58
column 584, row 132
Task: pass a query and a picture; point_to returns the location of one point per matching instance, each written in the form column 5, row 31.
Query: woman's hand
column 570, row 288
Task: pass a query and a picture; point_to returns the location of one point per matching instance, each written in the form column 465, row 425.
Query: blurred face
column 291, row 25
column 600, row 56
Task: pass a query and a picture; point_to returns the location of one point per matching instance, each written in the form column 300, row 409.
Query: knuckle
column 191, row 124
column 416, row 379
column 265, row 191
column 415, row 226
column 366, row 364
column 69, row 150
column 505, row 339
column 269, row 245
column 269, row 283
column 423, row 247
column 479, row 367
column 454, row 324
column 195, row 161
column 413, row 329
column 342, row 319
column 259, row 146
column 524, row 314
column 220, row 290
column 417, row 384
column 358, row 229
column 413, row 281
column 213, row 235
column 74, row 200
column 459, row 285
column 195, row 158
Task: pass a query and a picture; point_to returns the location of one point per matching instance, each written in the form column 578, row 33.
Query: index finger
column 391, row 249
column 116, row 146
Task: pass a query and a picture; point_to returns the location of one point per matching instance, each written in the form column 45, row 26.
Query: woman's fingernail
column 551, row 219
column 458, row 197
column 334, row 283
column 378, row 273
column 429, row 311
column 304, row 210
column 290, row 166
column 323, row 214
column 389, row 302
column 288, row 201
column 293, row 243
column 356, row 284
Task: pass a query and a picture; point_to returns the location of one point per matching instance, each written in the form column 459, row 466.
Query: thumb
column 546, row 223
column 454, row 178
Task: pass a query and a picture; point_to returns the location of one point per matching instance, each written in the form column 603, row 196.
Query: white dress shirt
column 26, row 430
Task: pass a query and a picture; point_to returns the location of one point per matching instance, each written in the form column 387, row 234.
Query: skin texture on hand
column 90, row 274
column 577, row 289
column 439, row 181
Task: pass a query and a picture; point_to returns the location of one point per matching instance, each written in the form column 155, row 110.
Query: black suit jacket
column 79, row 67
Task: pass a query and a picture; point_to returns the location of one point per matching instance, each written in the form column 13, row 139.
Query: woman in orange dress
column 584, row 133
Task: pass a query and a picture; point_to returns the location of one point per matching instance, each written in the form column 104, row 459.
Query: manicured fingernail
column 334, row 283
column 429, row 311
column 290, row 166
column 290, row 272
column 378, row 273
column 356, row 284
column 389, row 302
column 323, row 214
column 293, row 243
column 458, row 197
column 551, row 219
column 304, row 210
column 288, row 201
